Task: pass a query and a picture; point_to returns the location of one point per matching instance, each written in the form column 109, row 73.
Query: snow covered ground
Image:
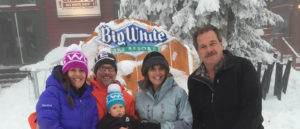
column 18, row 101
column 284, row 114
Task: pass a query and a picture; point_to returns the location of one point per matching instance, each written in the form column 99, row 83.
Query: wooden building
column 285, row 37
column 29, row 29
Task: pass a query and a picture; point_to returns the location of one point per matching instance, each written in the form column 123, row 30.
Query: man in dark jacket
column 224, row 91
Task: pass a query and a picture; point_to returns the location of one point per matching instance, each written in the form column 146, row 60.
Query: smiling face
column 210, row 49
column 157, row 75
column 106, row 74
column 77, row 77
column 117, row 110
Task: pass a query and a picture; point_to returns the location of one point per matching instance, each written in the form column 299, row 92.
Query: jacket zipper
column 148, row 112
column 162, row 111
column 212, row 97
column 81, row 113
column 209, row 86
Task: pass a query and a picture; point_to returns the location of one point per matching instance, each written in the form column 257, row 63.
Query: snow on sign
column 130, row 40
column 131, row 37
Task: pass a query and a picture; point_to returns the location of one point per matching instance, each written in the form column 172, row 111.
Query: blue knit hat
column 114, row 96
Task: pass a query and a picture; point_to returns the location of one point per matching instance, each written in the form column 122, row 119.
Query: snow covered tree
column 242, row 21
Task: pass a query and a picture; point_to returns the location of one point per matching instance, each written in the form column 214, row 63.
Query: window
column 297, row 60
column 4, row 3
column 17, row 3
column 279, row 2
column 22, row 3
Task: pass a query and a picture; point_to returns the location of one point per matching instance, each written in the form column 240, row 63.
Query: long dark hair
column 68, row 86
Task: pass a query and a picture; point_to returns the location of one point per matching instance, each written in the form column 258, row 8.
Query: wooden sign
column 78, row 8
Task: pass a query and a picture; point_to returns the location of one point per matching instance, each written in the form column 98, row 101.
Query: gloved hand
column 150, row 125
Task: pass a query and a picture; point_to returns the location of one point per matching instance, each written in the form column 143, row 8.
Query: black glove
column 150, row 125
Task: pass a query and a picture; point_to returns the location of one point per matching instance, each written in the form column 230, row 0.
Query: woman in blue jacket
column 160, row 101
column 67, row 102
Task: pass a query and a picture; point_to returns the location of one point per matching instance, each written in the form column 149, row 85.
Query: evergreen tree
column 241, row 21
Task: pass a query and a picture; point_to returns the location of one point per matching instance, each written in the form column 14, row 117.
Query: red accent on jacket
column 100, row 93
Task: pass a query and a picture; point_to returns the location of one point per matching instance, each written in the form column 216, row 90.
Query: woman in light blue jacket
column 160, row 101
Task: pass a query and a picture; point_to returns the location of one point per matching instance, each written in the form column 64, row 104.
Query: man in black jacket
column 224, row 91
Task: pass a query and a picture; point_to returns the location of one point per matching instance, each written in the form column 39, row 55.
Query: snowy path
column 18, row 101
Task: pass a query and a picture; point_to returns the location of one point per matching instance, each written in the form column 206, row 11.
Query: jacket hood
column 52, row 81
